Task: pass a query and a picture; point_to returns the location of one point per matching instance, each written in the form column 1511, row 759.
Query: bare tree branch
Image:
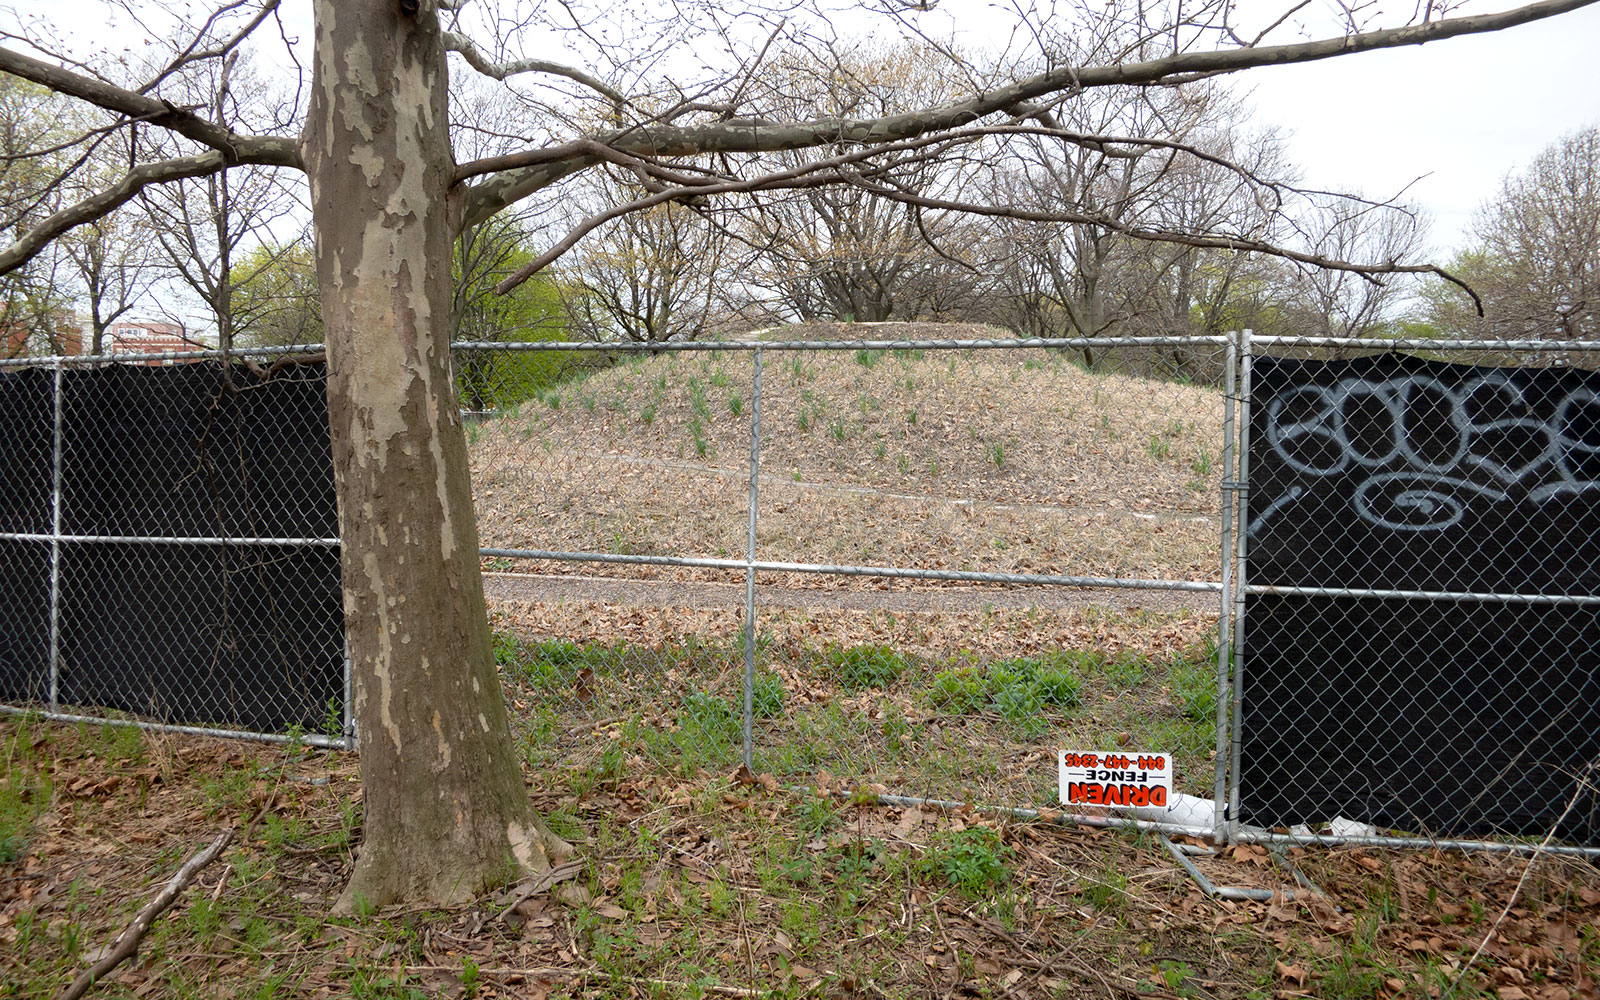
column 1370, row 272
column 757, row 135
column 463, row 46
column 99, row 205
column 274, row 150
column 189, row 54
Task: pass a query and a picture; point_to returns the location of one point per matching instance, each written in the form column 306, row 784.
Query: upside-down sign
column 1115, row 779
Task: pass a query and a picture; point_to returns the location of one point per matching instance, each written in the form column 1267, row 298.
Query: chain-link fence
column 865, row 557
column 1420, row 650
column 855, row 556
column 168, row 545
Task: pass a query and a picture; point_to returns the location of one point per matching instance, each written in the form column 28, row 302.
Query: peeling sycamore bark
column 446, row 813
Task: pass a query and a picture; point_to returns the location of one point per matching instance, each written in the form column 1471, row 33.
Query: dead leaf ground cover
column 717, row 884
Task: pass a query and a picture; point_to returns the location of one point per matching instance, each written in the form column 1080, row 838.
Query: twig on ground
column 222, row 880
column 515, row 896
column 1583, row 784
column 127, row 943
column 579, row 975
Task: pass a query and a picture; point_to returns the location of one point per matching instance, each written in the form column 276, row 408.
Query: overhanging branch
column 464, row 47
column 759, row 135
column 272, row 150
column 1205, row 241
column 103, row 203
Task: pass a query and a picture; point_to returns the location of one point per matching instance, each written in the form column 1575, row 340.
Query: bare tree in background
column 1325, row 303
column 1537, row 260
column 837, row 251
column 203, row 224
column 648, row 276
column 113, row 255
column 445, row 810
column 1201, row 169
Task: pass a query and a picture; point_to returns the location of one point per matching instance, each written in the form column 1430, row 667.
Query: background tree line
column 237, row 243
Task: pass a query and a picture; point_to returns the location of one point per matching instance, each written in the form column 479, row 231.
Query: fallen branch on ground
column 579, row 975
column 127, row 943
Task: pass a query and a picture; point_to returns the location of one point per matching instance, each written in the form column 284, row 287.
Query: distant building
column 19, row 339
column 147, row 337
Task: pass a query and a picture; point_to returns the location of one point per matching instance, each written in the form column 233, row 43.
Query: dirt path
column 506, row 587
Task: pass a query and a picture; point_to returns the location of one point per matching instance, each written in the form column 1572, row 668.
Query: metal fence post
column 1241, row 549
column 750, row 563
column 1219, row 777
column 55, row 542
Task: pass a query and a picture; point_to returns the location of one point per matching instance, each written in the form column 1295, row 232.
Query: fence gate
column 1418, row 569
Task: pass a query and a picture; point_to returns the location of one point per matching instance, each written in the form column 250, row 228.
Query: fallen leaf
column 1292, row 974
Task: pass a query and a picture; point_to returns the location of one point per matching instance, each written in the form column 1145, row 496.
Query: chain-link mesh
column 920, row 508
column 1422, row 552
column 967, row 555
column 169, row 545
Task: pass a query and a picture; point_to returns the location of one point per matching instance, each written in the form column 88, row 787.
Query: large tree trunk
column 446, row 813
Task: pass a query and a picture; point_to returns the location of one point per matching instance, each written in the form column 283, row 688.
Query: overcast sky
column 1463, row 112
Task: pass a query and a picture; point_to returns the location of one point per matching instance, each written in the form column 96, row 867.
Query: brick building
column 146, row 337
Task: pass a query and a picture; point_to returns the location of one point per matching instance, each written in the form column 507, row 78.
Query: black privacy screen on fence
column 1442, row 715
column 226, row 612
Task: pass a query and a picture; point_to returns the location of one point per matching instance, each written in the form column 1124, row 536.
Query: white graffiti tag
column 1431, row 448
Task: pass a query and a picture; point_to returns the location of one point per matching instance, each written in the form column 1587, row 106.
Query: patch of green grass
column 697, row 433
column 767, row 696
column 1125, row 669
column 1107, row 889
column 1017, row 688
column 996, row 453
column 553, row 664
column 230, row 792
column 711, row 718
column 856, row 667
column 816, row 815
column 974, row 861
column 23, row 798
column 1194, row 685
column 697, row 400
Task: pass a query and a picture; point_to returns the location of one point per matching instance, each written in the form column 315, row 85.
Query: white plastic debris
column 1342, row 827
column 1182, row 810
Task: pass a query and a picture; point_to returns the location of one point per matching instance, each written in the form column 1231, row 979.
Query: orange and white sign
column 1118, row 779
